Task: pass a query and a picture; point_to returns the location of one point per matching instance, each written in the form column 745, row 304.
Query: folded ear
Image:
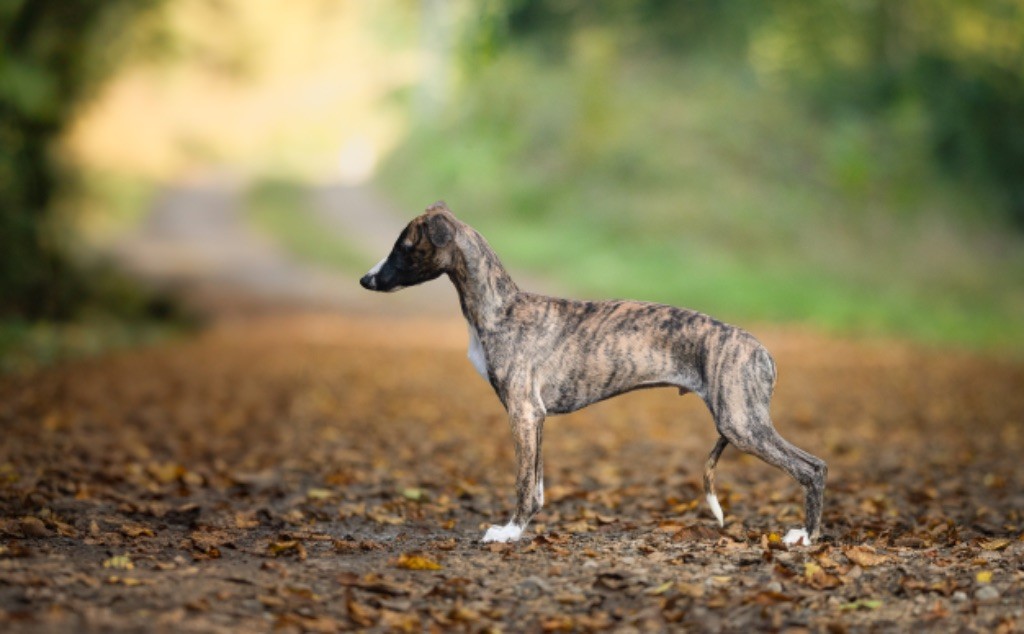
column 439, row 206
column 439, row 229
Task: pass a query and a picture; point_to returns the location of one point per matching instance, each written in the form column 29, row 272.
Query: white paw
column 508, row 533
column 797, row 537
column 716, row 508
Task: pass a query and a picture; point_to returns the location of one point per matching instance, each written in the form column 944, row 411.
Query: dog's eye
column 406, row 245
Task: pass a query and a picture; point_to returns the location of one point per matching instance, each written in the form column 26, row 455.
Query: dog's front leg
column 527, row 429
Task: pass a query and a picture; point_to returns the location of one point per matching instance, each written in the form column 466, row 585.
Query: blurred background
column 851, row 166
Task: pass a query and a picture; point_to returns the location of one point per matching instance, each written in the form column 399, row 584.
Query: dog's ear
column 441, row 207
column 439, row 230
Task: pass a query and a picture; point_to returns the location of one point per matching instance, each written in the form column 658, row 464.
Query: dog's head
column 421, row 253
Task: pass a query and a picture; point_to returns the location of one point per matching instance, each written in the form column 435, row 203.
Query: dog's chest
column 476, row 353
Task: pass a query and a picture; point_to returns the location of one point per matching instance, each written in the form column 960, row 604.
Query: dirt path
column 334, row 470
column 298, row 472
column 197, row 243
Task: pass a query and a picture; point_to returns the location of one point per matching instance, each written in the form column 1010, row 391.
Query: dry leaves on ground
column 254, row 480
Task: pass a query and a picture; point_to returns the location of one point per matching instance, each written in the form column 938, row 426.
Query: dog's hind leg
column 739, row 396
column 709, row 479
column 751, row 431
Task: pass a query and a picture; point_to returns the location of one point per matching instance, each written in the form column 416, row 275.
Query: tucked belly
column 568, row 391
column 565, row 401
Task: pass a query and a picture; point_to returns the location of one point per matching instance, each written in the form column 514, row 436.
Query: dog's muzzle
column 369, row 281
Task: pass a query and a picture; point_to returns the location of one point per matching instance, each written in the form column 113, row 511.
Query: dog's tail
column 709, row 479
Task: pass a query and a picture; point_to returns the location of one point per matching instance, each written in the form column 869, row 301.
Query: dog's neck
column 485, row 288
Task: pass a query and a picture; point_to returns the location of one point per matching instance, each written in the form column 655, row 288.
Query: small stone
column 986, row 594
column 959, row 596
column 774, row 586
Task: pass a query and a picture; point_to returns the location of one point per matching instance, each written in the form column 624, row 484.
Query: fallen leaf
column 8, row 474
column 303, row 593
column 245, row 520
column 577, row 527
column 692, row 590
column 817, row 578
column 662, row 589
column 382, row 517
column 415, row 561
column 64, row 530
column 811, row 569
column 552, row 538
column 372, row 582
column 34, row 527
column 861, row 604
column 287, row 547
column 463, row 614
column 865, row 556
column 135, row 530
column 290, row 621
column 697, row 532
column 319, row 494
column 994, row 544
column 720, row 580
column 119, row 562
column 205, row 554
column 360, row 614
column 400, row 621
column 126, row 581
column 414, row 494
column 165, row 472
column 612, row 580
column 559, row 623
column 270, row 601
column 984, row 576
column 825, row 560
column 768, row 597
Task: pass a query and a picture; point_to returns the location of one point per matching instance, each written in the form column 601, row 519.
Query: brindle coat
column 544, row 355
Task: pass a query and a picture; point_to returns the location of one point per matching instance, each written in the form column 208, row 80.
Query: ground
column 335, row 469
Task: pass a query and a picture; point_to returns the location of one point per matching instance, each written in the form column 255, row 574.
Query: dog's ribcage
column 583, row 352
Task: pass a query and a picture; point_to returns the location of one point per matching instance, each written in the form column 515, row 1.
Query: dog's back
column 590, row 351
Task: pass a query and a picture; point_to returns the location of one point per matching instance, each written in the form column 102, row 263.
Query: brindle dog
column 544, row 355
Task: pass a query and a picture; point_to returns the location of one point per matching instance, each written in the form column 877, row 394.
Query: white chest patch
column 476, row 353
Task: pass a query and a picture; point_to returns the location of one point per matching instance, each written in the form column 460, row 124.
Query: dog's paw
column 508, row 533
column 716, row 508
column 797, row 537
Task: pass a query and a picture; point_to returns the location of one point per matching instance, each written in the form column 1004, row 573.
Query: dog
column 545, row 355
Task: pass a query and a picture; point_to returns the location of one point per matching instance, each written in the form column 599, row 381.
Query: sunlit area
column 198, row 389
column 843, row 168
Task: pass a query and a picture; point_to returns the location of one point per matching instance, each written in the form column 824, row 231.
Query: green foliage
column 960, row 65
column 53, row 54
column 625, row 172
column 110, row 312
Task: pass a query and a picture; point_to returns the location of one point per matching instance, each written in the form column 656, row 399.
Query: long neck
column 485, row 288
